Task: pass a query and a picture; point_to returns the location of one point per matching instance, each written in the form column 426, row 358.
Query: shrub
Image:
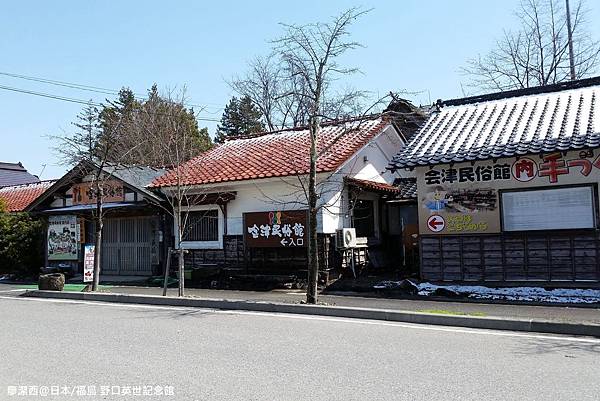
column 21, row 243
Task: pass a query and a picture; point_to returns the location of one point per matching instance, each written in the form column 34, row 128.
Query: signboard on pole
column 88, row 263
column 62, row 238
column 276, row 229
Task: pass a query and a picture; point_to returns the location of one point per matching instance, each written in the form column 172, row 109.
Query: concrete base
column 493, row 323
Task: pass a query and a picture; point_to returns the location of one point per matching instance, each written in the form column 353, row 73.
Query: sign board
column 276, row 229
column 88, row 263
column 436, row 223
column 85, row 194
column 467, row 195
column 63, row 232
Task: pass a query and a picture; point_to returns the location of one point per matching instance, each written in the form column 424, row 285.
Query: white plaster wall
column 269, row 195
column 286, row 193
column 370, row 163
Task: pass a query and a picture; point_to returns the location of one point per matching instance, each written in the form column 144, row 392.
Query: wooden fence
column 558, row 256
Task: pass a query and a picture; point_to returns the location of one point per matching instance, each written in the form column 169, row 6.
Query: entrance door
column 127, row 246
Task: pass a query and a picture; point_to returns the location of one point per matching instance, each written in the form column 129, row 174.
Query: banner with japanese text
column 88, row 263
column 276, row 229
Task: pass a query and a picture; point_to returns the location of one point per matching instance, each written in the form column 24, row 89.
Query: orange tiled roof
column 276, row 154
column 18, row 197
column 373, row 185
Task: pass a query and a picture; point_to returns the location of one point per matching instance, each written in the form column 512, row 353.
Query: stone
column 52, row 282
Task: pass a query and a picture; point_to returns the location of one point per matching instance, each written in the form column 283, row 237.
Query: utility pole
column 570, row 37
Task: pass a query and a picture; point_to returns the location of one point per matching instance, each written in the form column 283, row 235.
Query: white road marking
column 415, row 326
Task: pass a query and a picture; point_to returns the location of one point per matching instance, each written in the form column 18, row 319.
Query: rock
column 445, row 292
column 52, row 282
column 408, row 287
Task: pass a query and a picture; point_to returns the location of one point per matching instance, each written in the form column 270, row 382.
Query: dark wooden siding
column 564, row 256
column 261, row 260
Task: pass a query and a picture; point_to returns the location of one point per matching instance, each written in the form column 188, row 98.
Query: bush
column 21, row 244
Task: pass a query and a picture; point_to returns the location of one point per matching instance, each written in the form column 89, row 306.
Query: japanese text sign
column 276, row 229
column 88, row 263
column 84, row 193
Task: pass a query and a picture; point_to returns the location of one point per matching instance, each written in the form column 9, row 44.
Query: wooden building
column 135, row 226
column 508, row 186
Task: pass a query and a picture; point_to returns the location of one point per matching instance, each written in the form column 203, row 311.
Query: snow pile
column 534, row 294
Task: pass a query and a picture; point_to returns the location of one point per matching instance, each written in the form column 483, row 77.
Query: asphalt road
column 216, row 355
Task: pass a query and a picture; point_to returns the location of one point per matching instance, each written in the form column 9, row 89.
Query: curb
column 491, row 323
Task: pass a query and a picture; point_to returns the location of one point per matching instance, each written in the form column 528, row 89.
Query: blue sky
column 409, row 45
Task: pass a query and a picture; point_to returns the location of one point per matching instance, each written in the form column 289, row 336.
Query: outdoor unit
column 345, row 238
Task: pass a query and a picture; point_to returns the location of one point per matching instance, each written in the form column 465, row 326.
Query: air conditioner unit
column 345, row 238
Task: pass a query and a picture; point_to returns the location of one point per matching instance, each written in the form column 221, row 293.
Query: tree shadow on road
column 535, row 346
column 175, row 313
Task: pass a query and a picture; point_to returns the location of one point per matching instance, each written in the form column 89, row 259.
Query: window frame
column 218, row 244
column 595, row 212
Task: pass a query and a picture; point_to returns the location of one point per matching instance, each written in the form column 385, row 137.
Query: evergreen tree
column 155, row 117
column 241, row 117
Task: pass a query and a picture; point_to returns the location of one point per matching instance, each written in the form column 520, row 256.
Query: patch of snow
column 535, row 294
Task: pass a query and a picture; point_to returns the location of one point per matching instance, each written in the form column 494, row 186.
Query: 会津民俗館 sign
column 276, row 229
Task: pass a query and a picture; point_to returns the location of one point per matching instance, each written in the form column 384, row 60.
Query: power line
column 48, row 95
column 79, row 101
column 90, row 88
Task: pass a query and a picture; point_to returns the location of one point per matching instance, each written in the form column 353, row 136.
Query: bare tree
column 309, row 57
column 537, row 53
column 262, row 84
column 283, row 96
column 173, row 144
column 89, row 150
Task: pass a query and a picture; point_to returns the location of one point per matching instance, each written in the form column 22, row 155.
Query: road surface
column 197, row 354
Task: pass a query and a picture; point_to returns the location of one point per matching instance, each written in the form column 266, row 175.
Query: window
column 363, row 218
column 548, row 209
column 202, row 225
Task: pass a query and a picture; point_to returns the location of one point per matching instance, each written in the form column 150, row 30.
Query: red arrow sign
column 436, row 223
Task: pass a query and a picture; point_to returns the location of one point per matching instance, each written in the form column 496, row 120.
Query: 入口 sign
column 275, row 229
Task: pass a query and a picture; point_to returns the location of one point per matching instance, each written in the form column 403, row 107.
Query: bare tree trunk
column 167, row 269
column 98, row 242
column 313, row 254
column 570, row 39
column 181, row 272
column 180, row 252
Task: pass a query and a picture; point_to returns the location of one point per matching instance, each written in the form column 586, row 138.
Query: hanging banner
column 276, row 229
column 88, row 263
column 62, row 238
